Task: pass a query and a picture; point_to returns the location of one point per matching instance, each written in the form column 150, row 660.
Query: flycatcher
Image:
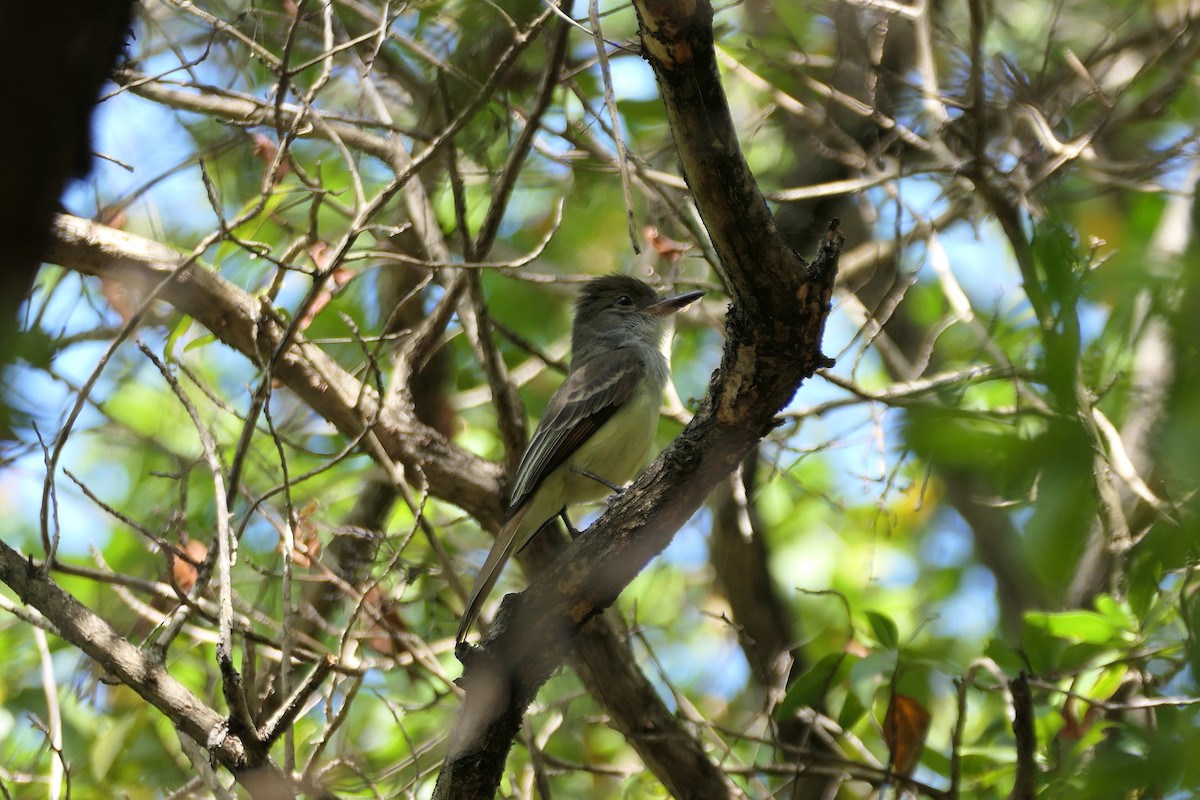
column 599, row 426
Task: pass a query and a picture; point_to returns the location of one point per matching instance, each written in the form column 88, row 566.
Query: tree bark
column 775, row 324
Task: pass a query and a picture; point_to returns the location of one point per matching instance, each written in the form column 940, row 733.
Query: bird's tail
column 506, row 543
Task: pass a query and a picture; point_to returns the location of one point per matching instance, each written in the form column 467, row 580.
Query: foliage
column 995, row 480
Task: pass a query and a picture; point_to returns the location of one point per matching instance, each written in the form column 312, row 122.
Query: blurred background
column 997, row 478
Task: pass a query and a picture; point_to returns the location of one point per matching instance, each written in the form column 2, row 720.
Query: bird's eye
column 624, row 300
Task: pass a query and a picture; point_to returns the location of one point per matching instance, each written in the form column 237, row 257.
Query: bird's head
column 621, row 311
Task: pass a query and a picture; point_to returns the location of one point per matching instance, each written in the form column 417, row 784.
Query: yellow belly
column 616, row 452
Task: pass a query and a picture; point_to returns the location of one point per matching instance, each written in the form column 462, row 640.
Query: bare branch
column 81, row 627
column 249, row 326
column 775, row 326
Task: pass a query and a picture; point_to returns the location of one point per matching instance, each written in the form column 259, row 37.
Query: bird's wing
column 588, row 397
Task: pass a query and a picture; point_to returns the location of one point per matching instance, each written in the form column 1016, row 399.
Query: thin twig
column 610, row 100
column 292, row 707
column 225, row 553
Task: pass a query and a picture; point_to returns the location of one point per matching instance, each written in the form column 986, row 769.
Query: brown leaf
column 1074, row 727
column 183, row 568
column 265, row 151
column 379, row 604
column 315, row 307
column 856, row 648
column 318, row 251
column 307, row 547
column 120, row 298
column 113, row 218
column 667, row 248
column 904, row 729
column 340, row 277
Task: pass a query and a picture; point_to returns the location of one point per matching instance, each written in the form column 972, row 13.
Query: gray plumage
column 616, row 379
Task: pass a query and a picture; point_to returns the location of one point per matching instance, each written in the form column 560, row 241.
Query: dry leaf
column 265, row 151
column 856, row 648
column 379, row 606
column 315, row 307
column 120, row 298
column 318, row 251
column 113, row 218
column 904, row 729
column 1074, row 727
column 307, row 547
column 183, row 569
column 667, row 248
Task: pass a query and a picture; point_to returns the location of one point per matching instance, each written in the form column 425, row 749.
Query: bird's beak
column 669, row 305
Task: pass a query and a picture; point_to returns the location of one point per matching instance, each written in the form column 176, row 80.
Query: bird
column 598, row 428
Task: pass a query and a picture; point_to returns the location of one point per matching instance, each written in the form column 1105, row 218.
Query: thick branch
column 1025, row 783
column 740, row 565
column 55, row 100
column 775, row 327
column 252, row 328
column 532, row 634
column 237, row 750
column 665, row 745
column 677, row 41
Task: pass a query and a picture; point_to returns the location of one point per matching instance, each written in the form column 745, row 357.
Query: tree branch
column 454, row 475
column 238, row 751
column 251, row 327
column 775, row 325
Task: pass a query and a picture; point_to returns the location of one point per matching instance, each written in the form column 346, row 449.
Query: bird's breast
column 618, row 449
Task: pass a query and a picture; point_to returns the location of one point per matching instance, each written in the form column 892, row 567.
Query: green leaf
column 200, row 341
column 810, row 688
column 1083, row 656
column 1042, row 650
column 852, row 711
column 1117, row 612
column 884, row 629
column 1191, row 618
column 797, row 19
column 108, row 745
column 1055, row 250
column 869, row 673
column 1144, row 579
column 36, row 347
column 1007, row 657
column 866, row 678
column 177, row 331
column 1108, row 682
column 1078, row 626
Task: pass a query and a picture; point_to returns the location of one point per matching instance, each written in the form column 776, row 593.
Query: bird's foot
column 572, row 531
column 587, row 473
